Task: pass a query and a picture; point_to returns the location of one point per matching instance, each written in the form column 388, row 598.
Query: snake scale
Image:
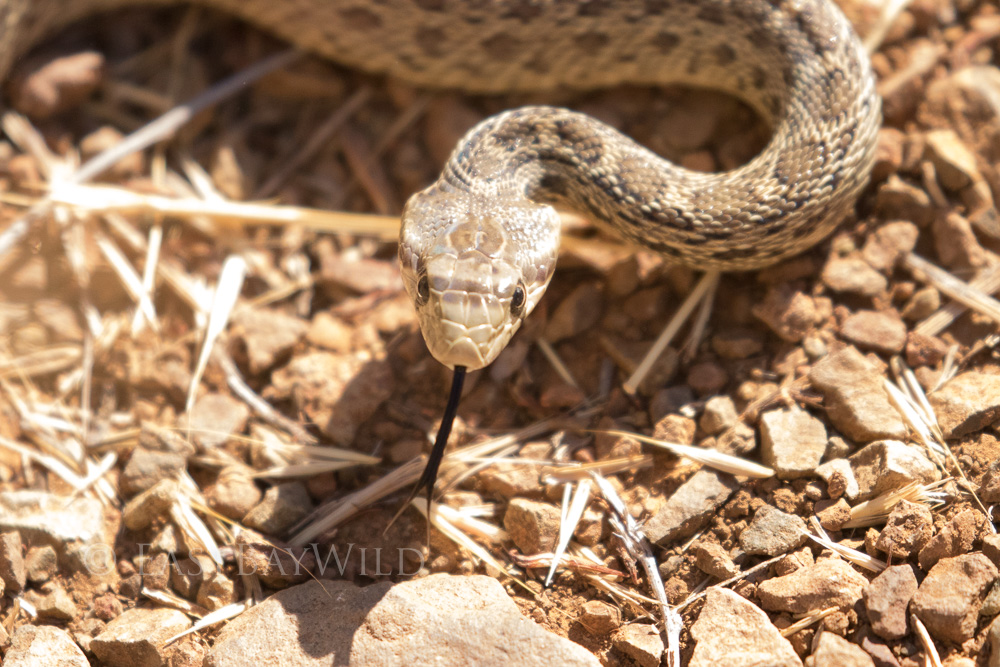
column 478, row 247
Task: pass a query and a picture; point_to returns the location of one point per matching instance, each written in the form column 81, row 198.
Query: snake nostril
column 423, row 289
column 517, row 301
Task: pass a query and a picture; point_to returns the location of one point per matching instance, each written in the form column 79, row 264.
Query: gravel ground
column 223, row 503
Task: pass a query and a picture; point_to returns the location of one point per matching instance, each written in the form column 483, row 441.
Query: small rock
column 991, row 547
column 511, row 479
column 720, row 414
column 854, row 397
column 908, row 529
column 714, row 561
column 955, row 538
column 854, row 276
column 41, row 563
column 155, row 571
column 834, row 651
column 888, row 465
column 337, row 392
column 888, row 244
column 641, row 642
column 733, row 631
column 880, row 652
column 839, row 479
column 12, row 567
column 794, row 561
column 833, row 514
column 215, row 417
column 216, row 591
column 234, row 492
column 267, row 334
column 57, row 605
column 599, row 618
column 949, row 598
column 35, row 645
column 58, row 85
column 924, row 350
column 283, row 506
column 793, row 442
column 954, row 163
column 691, row 506
column 883, row 332
column 739, row 440
column 578, row 311
column 330, row 332
column 904, row 201
column 738, row 343
column 922, row 304
column 789, row 314
column 187, row 574
column 146, row 467
column 707, row 377
column 956, row 243
column 151, row 504
column 136, row 638
column 277, row 565
column 831, row 582
column 107, row 607
column 989, row 487
column 73, row 527
column 533, row 526
column 773, row 532
column 994, row 638
column 887, row 599
column 967, row 403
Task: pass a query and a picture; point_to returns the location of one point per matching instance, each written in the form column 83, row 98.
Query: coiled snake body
column 478, row 247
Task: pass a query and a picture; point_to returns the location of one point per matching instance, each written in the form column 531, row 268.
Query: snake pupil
column 517, row 301
column 423, row 289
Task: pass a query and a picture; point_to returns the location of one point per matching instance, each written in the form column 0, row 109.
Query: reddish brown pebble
column 788, row 313
column 883, row 332
column 707, row 378
column 922, row 350
column 58, row 85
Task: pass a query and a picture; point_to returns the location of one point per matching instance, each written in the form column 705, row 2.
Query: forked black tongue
column 429, row 475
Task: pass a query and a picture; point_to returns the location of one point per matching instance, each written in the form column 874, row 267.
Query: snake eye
column 517, row 301
column 423, row 289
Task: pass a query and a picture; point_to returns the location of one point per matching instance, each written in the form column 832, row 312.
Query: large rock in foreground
column 438, row 620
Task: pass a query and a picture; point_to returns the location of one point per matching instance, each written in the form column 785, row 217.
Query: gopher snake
column 478, row 247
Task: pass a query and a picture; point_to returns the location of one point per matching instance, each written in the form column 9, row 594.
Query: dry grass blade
column 988, row 282
column 557, row 363
column 875, row 511
column 43, row 362
column 108, row 199
column 948, row 284
column 572, row 512
column 638, row 546
column 195, row 528
column 572, row 472
column 707, row 283
column 932, row 655
column 859, row 558
column 226, row 613
column 804, row 623
column 129, row 278
column 170, row 600
column 226, row 294
column 442, row 520
column 707, row 457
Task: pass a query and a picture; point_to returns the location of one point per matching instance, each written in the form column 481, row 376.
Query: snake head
column 473, row 271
